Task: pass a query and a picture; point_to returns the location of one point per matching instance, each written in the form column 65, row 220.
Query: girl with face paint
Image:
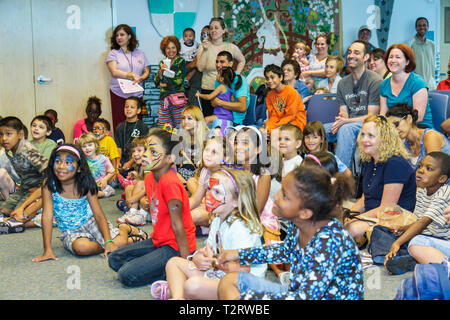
column 69, row 195
column 212, row 159
column 231, row 201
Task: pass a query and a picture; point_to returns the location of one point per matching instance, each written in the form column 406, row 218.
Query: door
column 64, row 45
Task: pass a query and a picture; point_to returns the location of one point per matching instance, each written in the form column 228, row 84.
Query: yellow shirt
column 108, row 147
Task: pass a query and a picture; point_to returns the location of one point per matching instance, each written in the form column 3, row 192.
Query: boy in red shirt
column 284, row 104
column 173, row 229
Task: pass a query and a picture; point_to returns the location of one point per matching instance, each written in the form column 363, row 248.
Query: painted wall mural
column 266, row 30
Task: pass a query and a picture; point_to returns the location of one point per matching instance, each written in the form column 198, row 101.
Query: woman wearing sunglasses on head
column 418, row 142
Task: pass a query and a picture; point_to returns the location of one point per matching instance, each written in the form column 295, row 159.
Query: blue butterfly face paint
column 69, row 163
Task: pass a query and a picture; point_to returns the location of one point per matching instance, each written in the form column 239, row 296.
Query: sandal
column 122, row 206
column 11, row 226
column 141, row 236
column 163, row 286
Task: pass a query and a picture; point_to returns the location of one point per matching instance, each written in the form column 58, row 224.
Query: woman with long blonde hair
column 388, row 179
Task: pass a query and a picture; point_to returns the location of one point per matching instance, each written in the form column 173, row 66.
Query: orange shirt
column 283, row 107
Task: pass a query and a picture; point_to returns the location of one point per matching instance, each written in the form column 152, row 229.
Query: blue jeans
column 427, row 241
column 248, row 281
column 346, row 140
column 141, row 263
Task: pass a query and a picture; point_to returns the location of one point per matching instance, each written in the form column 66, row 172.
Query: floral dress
column 328, row 268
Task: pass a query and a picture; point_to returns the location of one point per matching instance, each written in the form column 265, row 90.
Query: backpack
column 429, row 282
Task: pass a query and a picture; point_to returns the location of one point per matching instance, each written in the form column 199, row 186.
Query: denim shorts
column 247, row 281
column 427, row 241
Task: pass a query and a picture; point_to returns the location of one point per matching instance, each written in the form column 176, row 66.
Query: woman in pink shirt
column 126, row 62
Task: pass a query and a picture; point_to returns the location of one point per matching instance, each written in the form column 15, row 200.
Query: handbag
column 177, row 99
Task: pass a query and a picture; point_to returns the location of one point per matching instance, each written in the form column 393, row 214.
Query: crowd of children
column 265, row 197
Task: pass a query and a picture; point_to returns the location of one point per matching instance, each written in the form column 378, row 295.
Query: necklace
column 130, row 63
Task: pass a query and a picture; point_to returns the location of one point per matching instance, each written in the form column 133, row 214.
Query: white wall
column 136, row 14
column 356, row 13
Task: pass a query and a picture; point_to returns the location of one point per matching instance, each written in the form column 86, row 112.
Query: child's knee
column 192, row 287
column 84, row 247
column 173, row 263
column 226, row 286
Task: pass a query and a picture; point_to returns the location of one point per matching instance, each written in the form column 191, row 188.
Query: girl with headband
column 231, row 200
column 69, row 194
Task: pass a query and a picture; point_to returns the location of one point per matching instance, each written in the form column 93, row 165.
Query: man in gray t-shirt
column 358, row 96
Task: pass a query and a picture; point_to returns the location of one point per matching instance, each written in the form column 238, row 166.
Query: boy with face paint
column 108, row 146
column 29, row 165
column 173, row 230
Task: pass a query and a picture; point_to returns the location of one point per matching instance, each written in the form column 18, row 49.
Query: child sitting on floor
column 41, row 128
column 135, row 192
column 28, row 164
column 57, row 135
column 70, row 196
column 429, row 236
column 325, row 261
column 232, row 201
column 100, row 166
column 108, row 146
column 173, row 230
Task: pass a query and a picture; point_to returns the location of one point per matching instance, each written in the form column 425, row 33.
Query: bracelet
column 107, row 242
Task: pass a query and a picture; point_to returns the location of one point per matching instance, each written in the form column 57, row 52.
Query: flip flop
column 163, row 286
column 121, row 205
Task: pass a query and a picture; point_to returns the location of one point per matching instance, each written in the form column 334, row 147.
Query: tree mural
column 293, row 20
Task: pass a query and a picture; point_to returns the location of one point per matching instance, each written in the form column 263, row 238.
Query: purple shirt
column 134, row 61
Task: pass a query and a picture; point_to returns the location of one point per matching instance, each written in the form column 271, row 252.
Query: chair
column 323, row 108
column 250, row 117
column 439, row 106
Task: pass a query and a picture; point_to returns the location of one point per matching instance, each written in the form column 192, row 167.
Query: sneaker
column 11, row 226
column 129, row 213
column 400, row 264
column 285, row 278
column 136, row 219
column 109, row 191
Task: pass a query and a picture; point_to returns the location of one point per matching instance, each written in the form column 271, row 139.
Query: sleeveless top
column 268, row 219
column 423, row 152
column 210, row 71
column 70, row 214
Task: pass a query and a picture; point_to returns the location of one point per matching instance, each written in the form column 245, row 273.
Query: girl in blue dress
column 69, row 194
column 325, row 261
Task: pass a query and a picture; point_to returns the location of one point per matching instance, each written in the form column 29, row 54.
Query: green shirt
column 45, row 148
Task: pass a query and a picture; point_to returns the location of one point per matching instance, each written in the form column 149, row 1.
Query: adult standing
column 206, row 58
column 317, row 61
column 170, row 79
column 425, row 52
column 124, row 61
column 405, row 86
column 387, row 177
column 358, row 96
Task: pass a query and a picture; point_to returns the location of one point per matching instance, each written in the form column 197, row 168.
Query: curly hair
column 390, row 143
column 166, row 41
column 133, row 43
